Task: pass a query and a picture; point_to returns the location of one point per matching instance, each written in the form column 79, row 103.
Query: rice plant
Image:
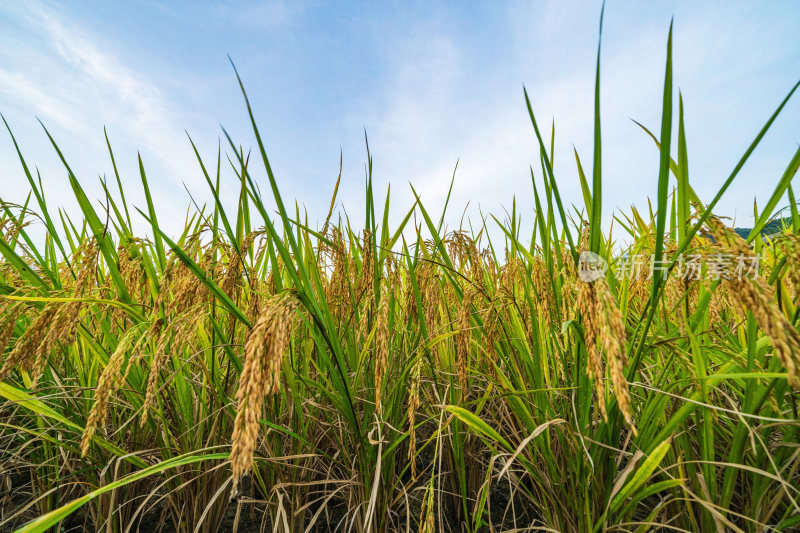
column 256, row 373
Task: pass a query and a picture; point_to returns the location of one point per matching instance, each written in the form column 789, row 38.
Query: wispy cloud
column 76, row 83
column 98, row 86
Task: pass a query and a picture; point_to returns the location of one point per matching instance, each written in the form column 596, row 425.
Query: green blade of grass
column 642, row 474
column 162, row 257
column 98, row 228
column 683, row 177
column 780, row 190
column 46, row 521
column 31, row 403
column 595, row 228
column 663, row 172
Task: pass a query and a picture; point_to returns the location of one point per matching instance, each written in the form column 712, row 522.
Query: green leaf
column 683, row 177
column 595, row 227
column 663, row 173
column 777, row 194
column 46, row 521
column 162, row 257
column 31, row 403
column 642, row 474
column 478, row 425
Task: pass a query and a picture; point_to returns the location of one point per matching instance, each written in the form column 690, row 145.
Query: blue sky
column 430, row 82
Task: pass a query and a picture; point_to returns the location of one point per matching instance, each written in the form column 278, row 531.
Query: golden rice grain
column 24, row 352
column 587, row 306
column 604, row 328
column 263, row 354
column 432, row 301
column 463, row 337
column 172, row 340
column 382, row 347
column 10, row 313
column 753, row 294
column 427, row 518
column 612, row 337
column 413, row 406
column 110, row 380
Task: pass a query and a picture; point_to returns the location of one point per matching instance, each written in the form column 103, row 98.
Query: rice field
column 254, row 373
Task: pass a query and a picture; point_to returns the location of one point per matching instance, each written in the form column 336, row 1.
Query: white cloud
column 447, row 109
column 122, row 95
column 76, row 83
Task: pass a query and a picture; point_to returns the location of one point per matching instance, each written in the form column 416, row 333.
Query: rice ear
column 110, row 380
column 752, row 293
column 25, row 352
column 413, row 407
column 463, row 338
column 382, row 347
column 263, row 355
column 612, row 337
